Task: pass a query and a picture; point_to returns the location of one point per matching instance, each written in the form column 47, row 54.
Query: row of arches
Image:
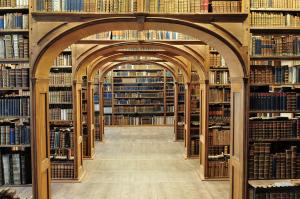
column 47, row 45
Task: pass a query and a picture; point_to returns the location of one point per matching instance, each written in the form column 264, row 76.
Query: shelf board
column 138, row 104
column 14, row 88
column 136, row 91
column 275, row 84
column 14, row 117
column 271, row 183
column 12, row 60
column 275, row 30
column 274, row 9
column 273, row 111
column 276, row 57
column 15, row 146
column 10, row 9
column 138, row 113
column 276, row 140
column 138, row 97
column 14, row 31
column 61, row 122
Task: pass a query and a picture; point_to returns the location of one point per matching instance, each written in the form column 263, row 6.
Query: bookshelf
column 15, row 132
column 217, row 141
column 138, row 95
column 273, row 140
column 179, row 113
column 61, row 118
column 193, row 120
column 97, row 105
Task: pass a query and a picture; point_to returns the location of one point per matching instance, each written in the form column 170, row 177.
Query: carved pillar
column 90, row 120
column 187, row 125
column 77, row 118
column 40, row 139
column 238, row 145
column 204, row 109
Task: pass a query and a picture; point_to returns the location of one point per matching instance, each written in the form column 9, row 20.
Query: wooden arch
column 85, row 59
column 46, row 45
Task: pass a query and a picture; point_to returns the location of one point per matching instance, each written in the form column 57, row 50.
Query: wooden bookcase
column 138, row 95
column 192, row 95
column 217, row 147
column 274, row 131
column 179, row 109
column 61, row 118
column 15, row 134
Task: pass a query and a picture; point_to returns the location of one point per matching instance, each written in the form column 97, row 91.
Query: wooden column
column 238, row 145
column 204, row 93
column 40, row 139
column 187, row 125
column 90, row 120
column 77, row 118
column 176, row 92
column 165, row 96
column 101, row 110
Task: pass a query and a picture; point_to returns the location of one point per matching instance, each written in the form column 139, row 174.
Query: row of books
column 61, row 138
column 63, row 60
column 61, row 79
column 138, row 67
column 217, row 95
column 14, row 106
column 274, row 128
column 138, row 88
column 276, row 101
column 264, row 45
column 60, row 97
column 14, row 46
column 136, row 73
column 263, row 164
column 138, row 102
column 139, row 95
column 194, row 147
column 274, row 19
column 130, row 120
column 219, row 113
column 63, row 5
column 285, row 4
column 226, row 6
column 138, row 109
column 14, row 21
column 14, row 169
column 219, row 135
column 14, row 3
column 140, row 35
column 14, row 75
column 12, row 134
column 62, row 170
column 218, row 169
column 275, row 74
column 277, row 195
column 139, row 80
column 170, row 108
column 217, row 152
column 61, row 154
column 216, row 60
column 61, row 114
column 219, row 77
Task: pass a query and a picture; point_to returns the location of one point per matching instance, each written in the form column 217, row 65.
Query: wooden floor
column 140, row 163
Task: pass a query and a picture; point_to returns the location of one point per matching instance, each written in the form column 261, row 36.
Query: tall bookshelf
column 179, row 113
column 138, row 95
column 15, row 146
column 61, row 118
column 274, row 139
column 194, row 118
column 218, row 138
column 84, row 113
column 97, row 98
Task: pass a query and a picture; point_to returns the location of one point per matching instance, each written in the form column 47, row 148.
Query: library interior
column 150, row 99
